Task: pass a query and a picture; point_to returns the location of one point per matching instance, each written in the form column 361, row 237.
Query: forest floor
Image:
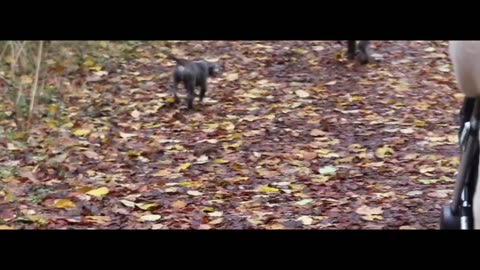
column 290, row 136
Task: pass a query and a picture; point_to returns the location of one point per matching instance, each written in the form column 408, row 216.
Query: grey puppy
column 192, row 74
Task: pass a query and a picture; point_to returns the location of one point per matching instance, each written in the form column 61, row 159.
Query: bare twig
column 35, row 83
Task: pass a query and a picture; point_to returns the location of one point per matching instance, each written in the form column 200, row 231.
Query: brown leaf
column 179, row 204
column 90, row 154
column 30, row 176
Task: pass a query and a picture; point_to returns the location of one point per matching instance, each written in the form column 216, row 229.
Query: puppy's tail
column 174, row 58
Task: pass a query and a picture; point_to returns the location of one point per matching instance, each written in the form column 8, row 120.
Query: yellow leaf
column 146, row 206
column 5, row 227
column 302, row 93
column 220, row 161
column 24, row 79
column 266, row 189
column 88, row 63
column 208, row 209
column 162, row 173
column 98, row 192
column 146, row 218
column 10, row 197
column 183, row 167
column 81, row 132
column 95, row 68
column 321, row 179
column 382, row 152
column 52, row 108
column 63, row 203
column 67, row 125
column 232, row 77
column 102, row 44
column 419, row 123
column 356, row 98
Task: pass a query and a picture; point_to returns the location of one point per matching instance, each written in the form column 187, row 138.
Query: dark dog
column 361, row 54
column 192, row 74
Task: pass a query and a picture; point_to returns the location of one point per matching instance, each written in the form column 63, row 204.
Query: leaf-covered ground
column 291, row 136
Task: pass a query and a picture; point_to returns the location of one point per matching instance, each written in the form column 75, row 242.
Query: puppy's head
column 213, row 69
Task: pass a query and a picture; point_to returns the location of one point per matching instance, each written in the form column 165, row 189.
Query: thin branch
column 35, row 83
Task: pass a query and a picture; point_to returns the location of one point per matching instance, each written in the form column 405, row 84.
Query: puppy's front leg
column 190, row 85
column 363, row 56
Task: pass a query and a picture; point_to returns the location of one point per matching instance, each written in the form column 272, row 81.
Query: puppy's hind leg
column 352, row 49
column 174, row 90
column 203, row 90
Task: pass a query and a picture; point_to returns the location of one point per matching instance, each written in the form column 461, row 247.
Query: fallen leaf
column 126, row 135
column 135, row 114
column 90, row 154
column 306, row 220
column 171, row 190
column 146, row 206
column 369, row 213
column 216, row 221
column 5, row 227
column 302, row 94
column 128, row 203
column 414, row 193
column 216, row 214
column 384, row 151
column 232, row 77
column 63, row 203
column 317, row 132
column 407, row 228
column 162, row 173
column 327, row 170
column 179, row 204
column 194, row 193
column 25, row 79
column 99, row 192
column 439, row 194
column 202, row 159
column 267, row 189
column 321, row 179
column 81, row 132
column 304, row 202
column 183, row 167
column 208, row 209
column 220, row 161
column 146, row 218
column 29, row 175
